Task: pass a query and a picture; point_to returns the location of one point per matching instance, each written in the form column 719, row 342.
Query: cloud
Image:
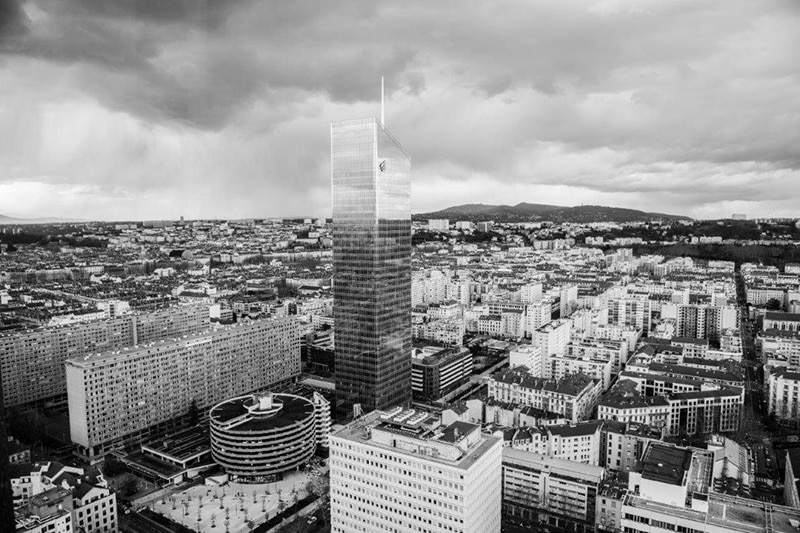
column 223, row 107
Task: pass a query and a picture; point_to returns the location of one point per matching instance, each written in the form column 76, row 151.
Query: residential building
column 18, row 452
column 573, row 363
column 439, row 224
column 630, row 312
column 711, row 409
column 705, row 321
column 704, row 412
column 783, row 389
column 599, row 349
column 48, row 512
column 121, row 397
column 536, row 315
column 43, row 489
column 552, row 339
column 445, row 331
column 33, row 360
column 623, row 403
column 573, row 397
column 531, row 293
column 525, row 355
column 625, row 443
column 549, row 492
column 490, row 325
column 579, row 442
column 780, row 348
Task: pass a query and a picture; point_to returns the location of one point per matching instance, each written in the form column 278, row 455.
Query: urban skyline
column 201, row 108
column 255, row 324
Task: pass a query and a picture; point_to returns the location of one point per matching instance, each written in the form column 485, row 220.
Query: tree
column 773, row 304
column 194, row 413
column 320, row 487
column 130, row 486
column 113, row 467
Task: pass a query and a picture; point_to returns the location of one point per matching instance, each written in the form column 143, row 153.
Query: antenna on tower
column 383, row 117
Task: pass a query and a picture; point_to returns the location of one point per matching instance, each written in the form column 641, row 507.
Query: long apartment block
column 33, row 362
column 119, row 398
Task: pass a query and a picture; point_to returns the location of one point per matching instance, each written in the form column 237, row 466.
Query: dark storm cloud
column 208, row 14
column 175, row 62
column 12, row 20
column 676, row 99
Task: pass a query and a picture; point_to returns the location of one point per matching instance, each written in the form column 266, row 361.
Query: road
column 753, row 410
column 136, row 523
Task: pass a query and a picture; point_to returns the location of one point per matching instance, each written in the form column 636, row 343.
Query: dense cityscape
column 367, row 372
column 402, row 267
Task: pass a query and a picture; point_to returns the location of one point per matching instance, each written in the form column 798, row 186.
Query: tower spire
column 383, row 117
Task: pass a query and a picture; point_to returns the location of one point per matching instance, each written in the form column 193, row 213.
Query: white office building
column 404, row 471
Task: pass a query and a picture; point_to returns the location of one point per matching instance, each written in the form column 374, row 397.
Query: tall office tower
column 371, row 181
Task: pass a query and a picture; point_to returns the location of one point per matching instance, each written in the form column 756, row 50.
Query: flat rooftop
column 359, row 431
column 143, row 349
column 666, row 464
column 293, row 409
column 731, row 513
column 182, row 445
column 553, row 465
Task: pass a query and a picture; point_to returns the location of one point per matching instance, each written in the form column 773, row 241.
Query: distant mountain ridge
column 525, row 212
column 9, row 220
column 4, row 219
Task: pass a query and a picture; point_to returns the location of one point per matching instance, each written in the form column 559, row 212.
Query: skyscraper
column 371, row 181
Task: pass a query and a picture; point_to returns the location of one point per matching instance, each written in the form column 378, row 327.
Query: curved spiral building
column 256, row 438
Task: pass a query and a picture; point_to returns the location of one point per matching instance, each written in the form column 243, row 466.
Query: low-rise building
column 449, row 331
column 670, row 492
column 580, row 442
column 623, row 403
column 595, row 367
column 625, row 443
column 526, row 355
column 713, row 409
column 783, row 394
column 575, row 396
column 600, row 349
column 780, row 348
column 44, row 491
column 436, row 372
column 549, row 492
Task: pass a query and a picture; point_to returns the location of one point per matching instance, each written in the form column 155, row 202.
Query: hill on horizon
column 5, row 219
column 526, row 212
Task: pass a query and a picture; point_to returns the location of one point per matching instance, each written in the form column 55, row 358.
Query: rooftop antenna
column 383, row 118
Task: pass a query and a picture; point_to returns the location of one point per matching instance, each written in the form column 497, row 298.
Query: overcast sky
column 139, row 109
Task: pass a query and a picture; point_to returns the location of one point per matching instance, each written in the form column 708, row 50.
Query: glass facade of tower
column 371, row 181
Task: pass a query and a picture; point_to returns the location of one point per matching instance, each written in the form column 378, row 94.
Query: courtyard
column 232, row 507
